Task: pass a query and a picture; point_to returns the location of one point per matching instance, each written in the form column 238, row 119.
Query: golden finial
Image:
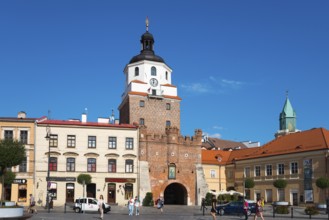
column 147, row 23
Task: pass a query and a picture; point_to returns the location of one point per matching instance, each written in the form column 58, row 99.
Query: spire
column 147, row 23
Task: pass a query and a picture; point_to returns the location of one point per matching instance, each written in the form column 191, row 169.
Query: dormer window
column 136, row 71
column 153, row 71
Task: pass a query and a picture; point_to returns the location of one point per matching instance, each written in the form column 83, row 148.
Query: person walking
column 203, row 205
column 131, row 206
column 245, row 208
column 160, row 203
column 137, row 204
column 101, row 206
column 259, row 210
column 32, row 208
column 213, row 207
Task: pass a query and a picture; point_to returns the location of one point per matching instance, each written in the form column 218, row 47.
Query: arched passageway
column 175, row 194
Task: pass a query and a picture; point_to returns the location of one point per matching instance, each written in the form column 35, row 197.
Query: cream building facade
column 107, row 152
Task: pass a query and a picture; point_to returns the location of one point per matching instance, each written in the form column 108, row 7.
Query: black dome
column 147, row 52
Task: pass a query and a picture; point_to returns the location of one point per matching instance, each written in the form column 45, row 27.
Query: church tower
column 287, row 119
column 149, row 98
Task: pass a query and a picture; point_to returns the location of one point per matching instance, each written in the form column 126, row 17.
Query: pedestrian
column 101, row 206
column 213, row 207
column 32, row 208
column 203, row 205
column 160, row 203
column 259, row 210
column 131, row 206
column 137, row 204
column 245, row 208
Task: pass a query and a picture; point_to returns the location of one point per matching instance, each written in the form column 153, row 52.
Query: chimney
column 84, row 117
column 21, row 114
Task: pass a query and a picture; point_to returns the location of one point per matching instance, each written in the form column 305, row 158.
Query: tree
column 9, row 177
column 84, row 179
column 322, row 183
column 12, row 153
column 249, row 183
column 280, row 183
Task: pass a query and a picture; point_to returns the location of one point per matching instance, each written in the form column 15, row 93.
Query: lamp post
column 48, row 170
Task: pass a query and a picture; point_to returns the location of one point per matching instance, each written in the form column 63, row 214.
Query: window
column 166, row 75
column 112, row 142
column 22, row 193
column 23, row 165
column 70, row 140
column 294, row 168
column 136, row 71
column 141, row 121
column 91, row 141
column 168, row 106
column 112, row 166
column 128, row 191
column 129, row 166
column 129, row 143
column 230, row 174
column 172, row 171
column 212, row 173
column 269, row 170
column 70, row 164
column 281, row 195
column 91, row 167
column 9, row 135
column 23, row 137
column 53, row 141
column 53, row 190
column 168, row 123
column 141, row 103
column 280, row 169
column 257, row 170
column 247, row 172
column 53, row 164
column 153, row 71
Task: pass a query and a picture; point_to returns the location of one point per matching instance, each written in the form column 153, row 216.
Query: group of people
column 133, row 204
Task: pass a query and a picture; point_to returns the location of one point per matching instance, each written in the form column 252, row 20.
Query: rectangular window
column 141, row 103
column 53, row 190
column 53, row 164
column 91, row 167
column 212, row 173
column 129, row 166
column 9, row 135
column 280, row 169
column 91, row 141
column 23, row 165
column 129, row 143
column 257, row 170
column 294, row 168
column 247, row 172
column 23, row 137
column 112, row 142
column 168, row 106
column 53, row 141
column 22, row 193
column 168, row 123
column 112, row 166
column 268, row 170
column 70, row 164
column 141, row 121
column 71, row 141
column 281, row 195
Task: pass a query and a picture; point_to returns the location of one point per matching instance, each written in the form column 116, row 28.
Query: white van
column 89, row 205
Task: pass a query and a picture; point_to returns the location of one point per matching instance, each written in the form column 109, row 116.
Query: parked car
column 235, row 208
column 89, row 205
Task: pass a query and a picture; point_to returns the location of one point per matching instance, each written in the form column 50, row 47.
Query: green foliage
column 282, row 209
column 9, row 177
column 208, row 199
column 84, row 177
column 322, row 182
column 12, row 153
column 148, row 200
column 228, row 198
column 311, row 210
column 249, row 183
column 280, row 183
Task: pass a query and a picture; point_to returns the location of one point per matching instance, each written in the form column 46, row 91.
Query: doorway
column 111, row 193
column 69, row 192
column 91, row 190
column 175, row 194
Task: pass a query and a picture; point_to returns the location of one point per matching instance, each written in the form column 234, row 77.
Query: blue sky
column 232, row 61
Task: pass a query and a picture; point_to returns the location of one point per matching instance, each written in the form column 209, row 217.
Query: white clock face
column 153, row 82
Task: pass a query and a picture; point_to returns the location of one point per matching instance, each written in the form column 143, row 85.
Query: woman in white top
column 100, row 205
column 137, row 204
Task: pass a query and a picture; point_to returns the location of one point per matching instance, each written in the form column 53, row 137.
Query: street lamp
column 48, row 171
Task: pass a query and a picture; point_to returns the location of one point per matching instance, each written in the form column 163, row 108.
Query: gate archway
column 175, row 194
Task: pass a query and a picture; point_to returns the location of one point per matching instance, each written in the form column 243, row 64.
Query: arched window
column 136, row 71
column 153, row 71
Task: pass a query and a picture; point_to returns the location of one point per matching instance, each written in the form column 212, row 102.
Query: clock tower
column 149, row 97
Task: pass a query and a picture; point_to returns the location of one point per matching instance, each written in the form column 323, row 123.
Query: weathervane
column 147, row 23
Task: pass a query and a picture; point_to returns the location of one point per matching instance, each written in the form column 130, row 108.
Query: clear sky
column 232, row 61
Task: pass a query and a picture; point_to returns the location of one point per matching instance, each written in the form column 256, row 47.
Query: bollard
column 64, row 207
column 292, row 212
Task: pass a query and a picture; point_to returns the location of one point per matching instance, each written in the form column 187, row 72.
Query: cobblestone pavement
column 170, row 212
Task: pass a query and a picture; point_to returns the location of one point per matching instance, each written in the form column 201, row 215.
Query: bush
column 280, row 183
column 311, row 210
column 282, row 210
column 208, row 199
column 148, row 200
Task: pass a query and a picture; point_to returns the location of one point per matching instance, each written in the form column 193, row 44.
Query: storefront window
column 53, row 191
column 22, row 195
column 128, row 190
